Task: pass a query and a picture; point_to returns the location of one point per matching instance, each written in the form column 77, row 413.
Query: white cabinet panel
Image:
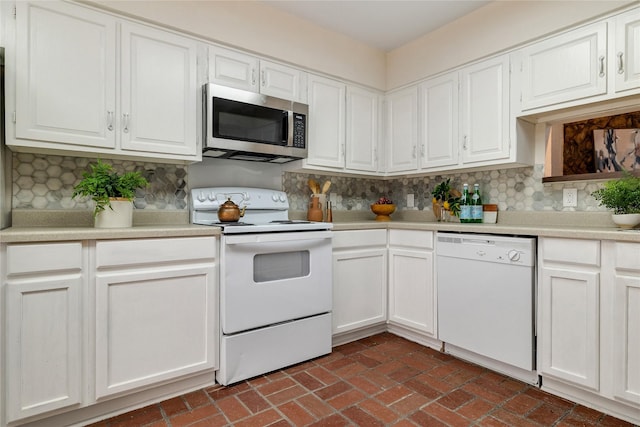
column 233, row 69
column 566, row 67
column 326, row 122
column 626, row 338
column 153, row 327
column 359, row 289
column 159, row 88
column 439, row 121
column 485, row 111
column 282, row 82
column 570, row 325
column 626, row 53
column 362, row 123
column 402, row 130
column 65, row 80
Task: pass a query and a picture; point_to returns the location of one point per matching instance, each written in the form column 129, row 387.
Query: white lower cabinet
column 156, row 312
column 589, row 323
column 412, row 298
column 129, row 320
column 42, row 286
column 625, row 329
column 359, row 280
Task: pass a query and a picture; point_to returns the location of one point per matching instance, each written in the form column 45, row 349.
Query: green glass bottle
column 476, row 204
column 465, row 205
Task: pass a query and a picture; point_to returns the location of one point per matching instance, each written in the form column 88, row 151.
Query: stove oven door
column 268, row 278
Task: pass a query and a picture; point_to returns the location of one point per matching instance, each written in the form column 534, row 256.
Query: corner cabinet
column 83, row 92
column 402, row 130
column 343, row 127
column 359, row 283
column 412, row 289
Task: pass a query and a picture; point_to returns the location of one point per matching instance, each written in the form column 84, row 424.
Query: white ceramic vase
column 626, row 220
column 120, row 215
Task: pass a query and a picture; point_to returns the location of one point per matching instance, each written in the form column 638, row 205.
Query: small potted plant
column 446, row 200
column 108, row 189
column 623, row 196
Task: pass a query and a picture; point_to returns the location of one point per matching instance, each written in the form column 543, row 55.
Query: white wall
column 270, row 32
column 498, row 26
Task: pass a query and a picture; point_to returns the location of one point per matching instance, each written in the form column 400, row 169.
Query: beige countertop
column 28, row 226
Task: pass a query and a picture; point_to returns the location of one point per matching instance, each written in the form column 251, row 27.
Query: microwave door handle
column 289, row 130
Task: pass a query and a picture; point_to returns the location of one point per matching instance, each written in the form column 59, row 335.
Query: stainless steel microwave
column 244, row 125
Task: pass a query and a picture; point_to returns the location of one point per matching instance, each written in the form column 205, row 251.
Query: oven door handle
column 309, row 236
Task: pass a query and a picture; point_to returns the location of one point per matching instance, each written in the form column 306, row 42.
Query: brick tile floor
column 383, row 380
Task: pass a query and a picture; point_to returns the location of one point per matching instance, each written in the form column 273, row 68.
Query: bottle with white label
column 465, row 205
column 476, row 204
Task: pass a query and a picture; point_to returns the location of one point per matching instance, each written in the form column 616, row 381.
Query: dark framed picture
column 616, row 149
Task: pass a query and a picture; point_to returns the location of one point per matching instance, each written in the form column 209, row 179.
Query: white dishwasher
column 486, row 301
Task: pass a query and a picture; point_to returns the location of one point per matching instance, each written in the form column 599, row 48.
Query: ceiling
column 383, row 24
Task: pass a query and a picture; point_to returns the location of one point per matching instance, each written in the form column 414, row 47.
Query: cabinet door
column 159, row 90
column 359, row 289
column 65, row 84
column 412, row 290
column 362, row 129
column 627, row 51
column 233, row 69
column 439, row 121
column 569, row 326
column 282, row 82
column 402, row 130
column 564, row 68
column 485, row 111
column 326, row 122
column 153, row 326
column 626, row 338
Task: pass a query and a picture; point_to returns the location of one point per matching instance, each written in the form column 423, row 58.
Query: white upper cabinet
column 402, row 130
column 80, row 91
column 343, row 127
column 485, row 111
column 363, row 129
column 627, row 51
column 241, row 71
column 439, row 118
column 65, row 80
column 326, row 123
column 565, row 67
column 596, row 62
column 158, row 88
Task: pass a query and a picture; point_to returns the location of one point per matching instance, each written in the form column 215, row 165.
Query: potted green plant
column 108, row 189
column 446, row 200
column 623, row 196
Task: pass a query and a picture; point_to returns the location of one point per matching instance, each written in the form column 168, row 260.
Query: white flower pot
column 120, row 215
column 626, row 220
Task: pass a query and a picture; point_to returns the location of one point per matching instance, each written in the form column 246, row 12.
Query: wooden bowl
column 383, row 211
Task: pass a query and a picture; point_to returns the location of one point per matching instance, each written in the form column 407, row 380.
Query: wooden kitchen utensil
column 326, row 186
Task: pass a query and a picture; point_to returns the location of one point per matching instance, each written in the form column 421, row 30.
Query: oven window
column 279, row 266
column 246, row 122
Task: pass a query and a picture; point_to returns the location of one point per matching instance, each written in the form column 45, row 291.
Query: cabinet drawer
column 628, row 256
column 113, row 253
column 359, row 238
column 41, row 257
column 411, row 238
column 572, row 251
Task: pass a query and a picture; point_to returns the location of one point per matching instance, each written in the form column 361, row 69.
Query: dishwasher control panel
column 488, row 248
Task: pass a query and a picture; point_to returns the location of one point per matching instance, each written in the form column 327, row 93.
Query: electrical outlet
column 410, row 200
column 570, row 197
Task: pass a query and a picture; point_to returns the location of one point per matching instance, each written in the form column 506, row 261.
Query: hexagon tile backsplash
column 517, row 189
column 46, row 182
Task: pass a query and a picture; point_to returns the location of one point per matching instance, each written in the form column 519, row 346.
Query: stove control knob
column 211, row 197
column 514, row 255
column 283, row 198
column 274, row 197
column 201, row 197
column 245, row 197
